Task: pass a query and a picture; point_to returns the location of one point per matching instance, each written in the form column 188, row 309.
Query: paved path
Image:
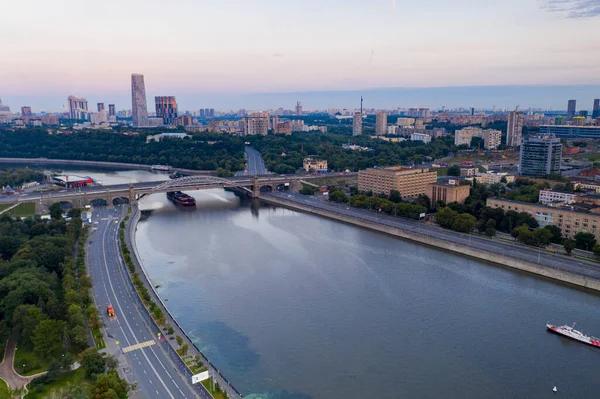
column 7, row 371
column 9, row 208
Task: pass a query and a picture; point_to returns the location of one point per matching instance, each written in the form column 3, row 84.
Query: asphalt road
column 255, row 165
column 515, row 250
column 150, row 367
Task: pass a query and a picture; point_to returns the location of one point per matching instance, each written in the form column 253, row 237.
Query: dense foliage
column 44, row 292
column 16, row 177
column 284, row 154
column 226, row 152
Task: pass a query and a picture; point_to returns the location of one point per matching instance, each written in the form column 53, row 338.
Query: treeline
column 391, row 206
column 16, row 177
column 284, row 154
column 44, row 298
column 226, row 152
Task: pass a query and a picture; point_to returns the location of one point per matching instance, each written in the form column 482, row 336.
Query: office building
column 139, row 108
column 596, row 109
column 207, row 112
column 570, row 219
column 357, row 124
column 257, row 123
column 570, row 131
column 571, row 109
column 540, row 155
column 26, row 111
column 111, row 110
column 381, row 124
column 78, row 108
column 409, row 182
column 514, row 129
column 100, row 107
column 448, row 190
column 166, row 108
column 298, row 108
column 491, row 139
column 314, row 165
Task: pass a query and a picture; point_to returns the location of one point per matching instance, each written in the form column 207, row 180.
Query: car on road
column 110, row 311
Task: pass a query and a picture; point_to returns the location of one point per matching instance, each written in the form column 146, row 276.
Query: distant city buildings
column 381, row 123
column 166, row 108
column 492, row 139
column 78, row 108
column 314, row 165
column 405, row 122
column 596, row 109
column 357, row 124
column 161, row 136
column 3, row 107
column 139, row 108
column 257, row 123
column 26, row 111
column 184, row 120
column 514, row 129
column 208, row 113
column 100, row 107
column 540, row 155
column 409, row 182
column 298, row 108
column 570, row 131
column 111, row 110
column 571, row 109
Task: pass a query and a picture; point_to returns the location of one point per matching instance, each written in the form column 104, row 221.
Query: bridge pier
column 255, row 187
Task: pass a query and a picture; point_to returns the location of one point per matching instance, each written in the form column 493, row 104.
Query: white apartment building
column 548, row 196
column 424, row 137
column 465, row 135
column 493, row 177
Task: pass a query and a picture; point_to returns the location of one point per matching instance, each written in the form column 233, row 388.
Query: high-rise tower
column 111, row 110
column 139, row 109
column 166, row 108
column 596, row 109
column 298, row 108
column 514, row 129
column 571, row 110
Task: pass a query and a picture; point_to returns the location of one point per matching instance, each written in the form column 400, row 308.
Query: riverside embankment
column 578, row 273
column 215, row 374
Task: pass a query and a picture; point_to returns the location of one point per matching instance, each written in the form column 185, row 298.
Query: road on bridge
column 255, row 164
column 144, row 359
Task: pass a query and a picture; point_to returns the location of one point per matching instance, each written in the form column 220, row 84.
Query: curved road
column 150, row 366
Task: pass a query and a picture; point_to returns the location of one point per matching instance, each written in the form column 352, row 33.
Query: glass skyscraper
column 540, row 155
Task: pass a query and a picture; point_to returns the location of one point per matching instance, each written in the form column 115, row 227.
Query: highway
column 129, row 335
column 255, row 165
column 515, row 250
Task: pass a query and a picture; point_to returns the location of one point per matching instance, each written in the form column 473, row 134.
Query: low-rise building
column 549, row 196
column 467, row 170
column 494, row 177
column 408, row 181
column 313, row 164
column 448, row 190
column 570, row 220
column 159, row 137
column 424, row 137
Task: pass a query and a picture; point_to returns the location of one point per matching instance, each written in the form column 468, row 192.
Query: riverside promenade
column 215, row 374
column 536, row 261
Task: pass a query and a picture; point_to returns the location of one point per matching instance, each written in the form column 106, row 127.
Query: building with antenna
column 357, row 124
column 298, row 108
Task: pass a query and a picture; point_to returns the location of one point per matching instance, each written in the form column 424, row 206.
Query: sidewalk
column 8, row 373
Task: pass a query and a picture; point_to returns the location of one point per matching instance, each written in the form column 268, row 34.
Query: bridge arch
column 98, row 202
column 120, row 201
column 193, row 182
column 66, row 205
column 266, row 188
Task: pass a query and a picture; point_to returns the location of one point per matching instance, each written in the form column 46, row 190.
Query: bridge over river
column 130, row 193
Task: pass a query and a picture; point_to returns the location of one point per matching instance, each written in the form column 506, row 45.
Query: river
column 293, row 306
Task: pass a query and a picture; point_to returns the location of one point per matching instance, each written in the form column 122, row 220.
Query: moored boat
column 571, row 332
column 181, row 198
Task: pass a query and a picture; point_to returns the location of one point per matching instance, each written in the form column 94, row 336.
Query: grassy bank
column 27, row 363
column 53, row 390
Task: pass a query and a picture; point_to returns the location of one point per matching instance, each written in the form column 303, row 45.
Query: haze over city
column 220, row 52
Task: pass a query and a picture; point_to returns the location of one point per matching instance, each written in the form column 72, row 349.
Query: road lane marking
column 138, row 346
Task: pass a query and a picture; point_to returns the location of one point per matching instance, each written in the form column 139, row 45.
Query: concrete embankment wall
column 115, row 165
column 503, row 260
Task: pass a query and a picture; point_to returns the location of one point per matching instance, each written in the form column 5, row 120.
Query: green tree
column 464, row 223
column 109, row 386
column 47, row 338
column 338, row 196
column 55, row 211
column 445, row 217
column 523, row 234
column 556, row 234
column 490, row 228
column 93, row 363
column 184, row 349
column 454, row 170
column 542, row 237
column 395, row 196
column 25, row 320
column 569, row 246
column 585, row 241
column 179, row 340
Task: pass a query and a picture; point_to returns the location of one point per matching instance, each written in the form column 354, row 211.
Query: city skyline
column 268, row 47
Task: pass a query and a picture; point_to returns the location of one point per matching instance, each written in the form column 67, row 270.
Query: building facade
column 298, row 108
column 569, row 220
column 314, row 165
column 569, row 131
column 100, row 107
column 78, row 108
column 596, row 109
column 494, row 177
column 514, row 129
column 465, row 135
column 491, row 139
column 257, row 123
column 409, row 182
column 139, row 108
column 448, row 191
column 26, row 111
column 381, row 124
column 112, row 110
column 166, row 108
column 357, row 124
column 283, row 127
column 540, row 156
column 571, row 109
column 424, row 137
column 548, row 196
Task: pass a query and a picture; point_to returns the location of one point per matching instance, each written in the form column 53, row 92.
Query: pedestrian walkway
column 7, row 371
column 9, row 208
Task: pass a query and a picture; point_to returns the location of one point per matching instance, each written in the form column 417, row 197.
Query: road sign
column 422, row 215
column 200, row 377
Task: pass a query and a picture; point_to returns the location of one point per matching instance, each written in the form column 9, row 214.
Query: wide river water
column 289, row 305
